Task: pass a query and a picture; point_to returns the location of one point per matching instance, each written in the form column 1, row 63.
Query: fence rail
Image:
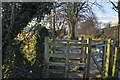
column 64, row 51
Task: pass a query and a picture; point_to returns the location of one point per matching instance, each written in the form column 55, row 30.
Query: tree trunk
column 118, row 21
column 73, row 30
column 54, row 6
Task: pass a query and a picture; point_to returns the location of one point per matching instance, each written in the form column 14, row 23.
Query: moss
column 95, row 52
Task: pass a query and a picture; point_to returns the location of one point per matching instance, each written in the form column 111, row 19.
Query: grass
column 95, row 52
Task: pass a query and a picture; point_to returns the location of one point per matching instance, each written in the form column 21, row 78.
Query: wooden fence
column 66, row 54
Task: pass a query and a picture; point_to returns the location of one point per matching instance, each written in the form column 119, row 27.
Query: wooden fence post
column 108, row 57
column 103, row 56
column 67, row 62
column 117, row 62
column 87, row 71
column 111, row 58
column 81, row 60
column 85, row 52
column 114, row 64
column 46, row 59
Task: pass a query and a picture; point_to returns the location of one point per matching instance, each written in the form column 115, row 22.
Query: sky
column 108, row 14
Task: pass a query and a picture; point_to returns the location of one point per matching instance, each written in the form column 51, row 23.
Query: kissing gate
column 62, row 56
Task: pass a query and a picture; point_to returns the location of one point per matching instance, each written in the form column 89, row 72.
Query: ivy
column 69, row 9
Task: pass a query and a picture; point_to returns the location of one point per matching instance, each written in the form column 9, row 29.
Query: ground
column 93, row 73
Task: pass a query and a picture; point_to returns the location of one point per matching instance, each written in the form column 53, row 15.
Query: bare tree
column 87, row 27
column 74, row 12
column 117, row 9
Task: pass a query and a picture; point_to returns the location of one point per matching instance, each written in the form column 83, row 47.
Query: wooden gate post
column 111, row 58
column 67, row 62
column 87, row 71
column 82, row 59
column 46, row 59
column 103, row 56
column 108, row 59
column 114, row 64
column 117, row 62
